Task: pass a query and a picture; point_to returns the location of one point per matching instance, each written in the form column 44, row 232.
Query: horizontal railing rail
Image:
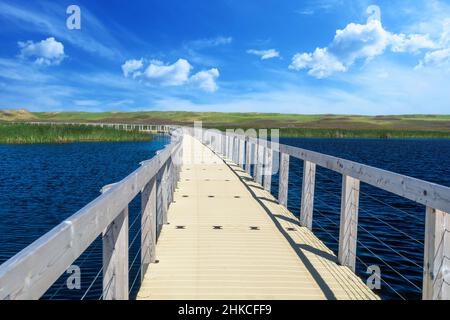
column 31, row 272
column 247, row 150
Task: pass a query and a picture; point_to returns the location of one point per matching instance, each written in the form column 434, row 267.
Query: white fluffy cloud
column 411, row 43
column 265, row 54
column 177, row 74
column 441, row 56
column 358, row 42
column 131, row 67
column 355, row 41
column 445, row 35
column 209, row 42
column 45, row 52
column 206, row 80
column 320, row 63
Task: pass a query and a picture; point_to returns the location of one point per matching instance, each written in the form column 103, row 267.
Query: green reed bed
column 353, row 133
column 48, row 133
column 380, row 134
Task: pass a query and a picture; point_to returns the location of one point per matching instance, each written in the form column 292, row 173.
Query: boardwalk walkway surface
column 228, row 238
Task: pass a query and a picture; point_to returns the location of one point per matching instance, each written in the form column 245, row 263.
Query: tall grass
column 351, row 133
column 29, row 133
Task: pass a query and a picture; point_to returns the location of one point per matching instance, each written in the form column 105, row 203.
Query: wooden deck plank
column 197, row 261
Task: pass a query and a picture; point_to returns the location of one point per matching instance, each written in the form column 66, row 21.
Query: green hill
column 327, row 125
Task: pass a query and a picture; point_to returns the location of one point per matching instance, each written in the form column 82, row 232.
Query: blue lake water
column 40, row 185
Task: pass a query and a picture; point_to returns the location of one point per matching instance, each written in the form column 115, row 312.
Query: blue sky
column 310, row 56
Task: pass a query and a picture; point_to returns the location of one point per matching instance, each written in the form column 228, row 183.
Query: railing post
column 436, row 270
column 159, row 202
column 308, row 185
column 230, row 147
column 180, row 161
column 148, row 223
column 115, row 258
column 241, row 152
column 170, row 182
column 253, row 158
column 223, row 138
column 283, row 179
column 259, row 162
column 218, row 143
column 225, row 145
column 348, row 230
column 235, row 150
column 165, row 192
column 174, row 174
column 268, row 169
column 248, row 147
column 256, row 160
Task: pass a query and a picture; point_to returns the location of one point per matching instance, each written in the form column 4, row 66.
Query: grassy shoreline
column 37, row 134
column 366, row 134
column 290, row 125
column 349, row 134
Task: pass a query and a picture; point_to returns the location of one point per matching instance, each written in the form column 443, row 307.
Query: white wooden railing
column 30, row 273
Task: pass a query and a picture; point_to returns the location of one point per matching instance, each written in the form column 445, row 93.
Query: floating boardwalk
column 210, row 230
column 150, row 128
column 228, row 238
